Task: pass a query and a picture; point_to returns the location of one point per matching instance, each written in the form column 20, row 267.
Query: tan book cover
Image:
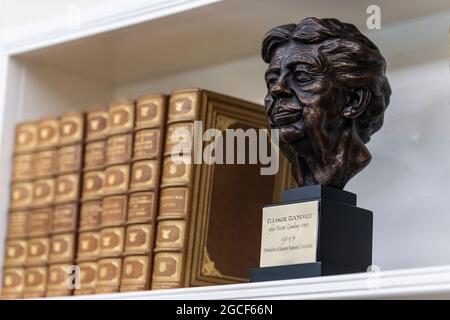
column 117, row 157
column 143, row 191
column 93, row 165
column 66, row 202
column 21, row 200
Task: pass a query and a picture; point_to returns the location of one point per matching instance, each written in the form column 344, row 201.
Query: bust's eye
column 302, row 77
column 271, row 80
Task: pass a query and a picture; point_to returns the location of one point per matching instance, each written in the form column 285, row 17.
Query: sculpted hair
column 354, row 59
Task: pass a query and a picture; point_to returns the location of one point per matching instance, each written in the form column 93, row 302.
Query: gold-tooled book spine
column 145, row 174
column 118, row 155
column 175, row 195
column 64, row 219
column 90, row 210
column 41, row 207
column 21, row 198
column 31, row 201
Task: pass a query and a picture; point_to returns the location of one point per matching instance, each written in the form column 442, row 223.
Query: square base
column 297, row 271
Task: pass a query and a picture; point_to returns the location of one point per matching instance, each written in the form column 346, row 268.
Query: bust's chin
column 292, row 133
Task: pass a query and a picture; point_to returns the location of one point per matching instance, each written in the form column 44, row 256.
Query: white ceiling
column 209, row 35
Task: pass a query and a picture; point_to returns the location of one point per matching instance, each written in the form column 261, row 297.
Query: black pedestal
column 344, row 242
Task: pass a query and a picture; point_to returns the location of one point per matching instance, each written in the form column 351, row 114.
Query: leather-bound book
column 21, row 192
column 43, row 197
column 209, row 221
column 64, row 219
column 143, row 191
column 121, row 114
column 94, row 160
column 15, row 255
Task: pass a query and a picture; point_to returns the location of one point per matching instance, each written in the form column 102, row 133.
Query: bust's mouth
column 283, row 118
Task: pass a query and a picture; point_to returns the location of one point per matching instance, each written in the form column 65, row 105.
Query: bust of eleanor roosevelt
column 327, row 94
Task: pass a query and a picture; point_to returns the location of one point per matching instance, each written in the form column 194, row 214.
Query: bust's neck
column 333, row 163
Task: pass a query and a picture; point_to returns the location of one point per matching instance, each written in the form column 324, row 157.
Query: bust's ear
column 356, row 102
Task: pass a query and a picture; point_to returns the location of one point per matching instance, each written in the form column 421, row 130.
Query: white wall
column 407, row 185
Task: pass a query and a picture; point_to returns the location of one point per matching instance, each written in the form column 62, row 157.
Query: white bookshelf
column 423, row 283
column 127, row 48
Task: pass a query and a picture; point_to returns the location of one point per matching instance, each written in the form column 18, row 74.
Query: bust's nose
column 280, row 89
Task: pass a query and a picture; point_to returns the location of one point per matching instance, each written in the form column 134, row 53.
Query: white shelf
column 423, row 283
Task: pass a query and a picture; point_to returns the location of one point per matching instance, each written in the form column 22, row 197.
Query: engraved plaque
column 116, row 179
column 67, row 188
column 64, row 218
column 39, row 222
column 121, row 116
column 71, row 128
column 93, row 185
column 114, row 210
column 47, row 133
column 88, row 278
column 38, row 251
column 58, row 280
column 62, row 248
column 35, row 282
column 15, row 253
column 68, row 159
column 146, row 144
column 141, row 207
column 17, row 224
column 174, row 202
column 135, row 274
column 97, row 124
column 149, row 111
column 170, row 234
column 178, row 133
column 43, row 192
column 182, row 107
column 44, row 163
column 13, row 283
column 289, row 234
column 21, row 195
column 167, row 267
column 26, row 137
column 144, row 175
column 95, row 155
column 108, row 275
column 22, row 167
column 138, row 240
column 119, row 149
column 176, row 173
column 112, row 241
column 90, row 215
column 88, row 246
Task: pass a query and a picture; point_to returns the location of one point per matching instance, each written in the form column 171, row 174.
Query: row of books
column 98, row 206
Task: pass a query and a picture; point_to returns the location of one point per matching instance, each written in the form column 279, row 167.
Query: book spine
column 175, row 197
column 121, row 114
column 143, row 192
column 87, row 249
column 19, row 212
column 42, row 205
column 64, row 220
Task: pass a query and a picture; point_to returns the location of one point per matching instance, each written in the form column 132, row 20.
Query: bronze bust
column 327, row 94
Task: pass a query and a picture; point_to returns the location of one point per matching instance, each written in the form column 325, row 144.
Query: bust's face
column 303, row 101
